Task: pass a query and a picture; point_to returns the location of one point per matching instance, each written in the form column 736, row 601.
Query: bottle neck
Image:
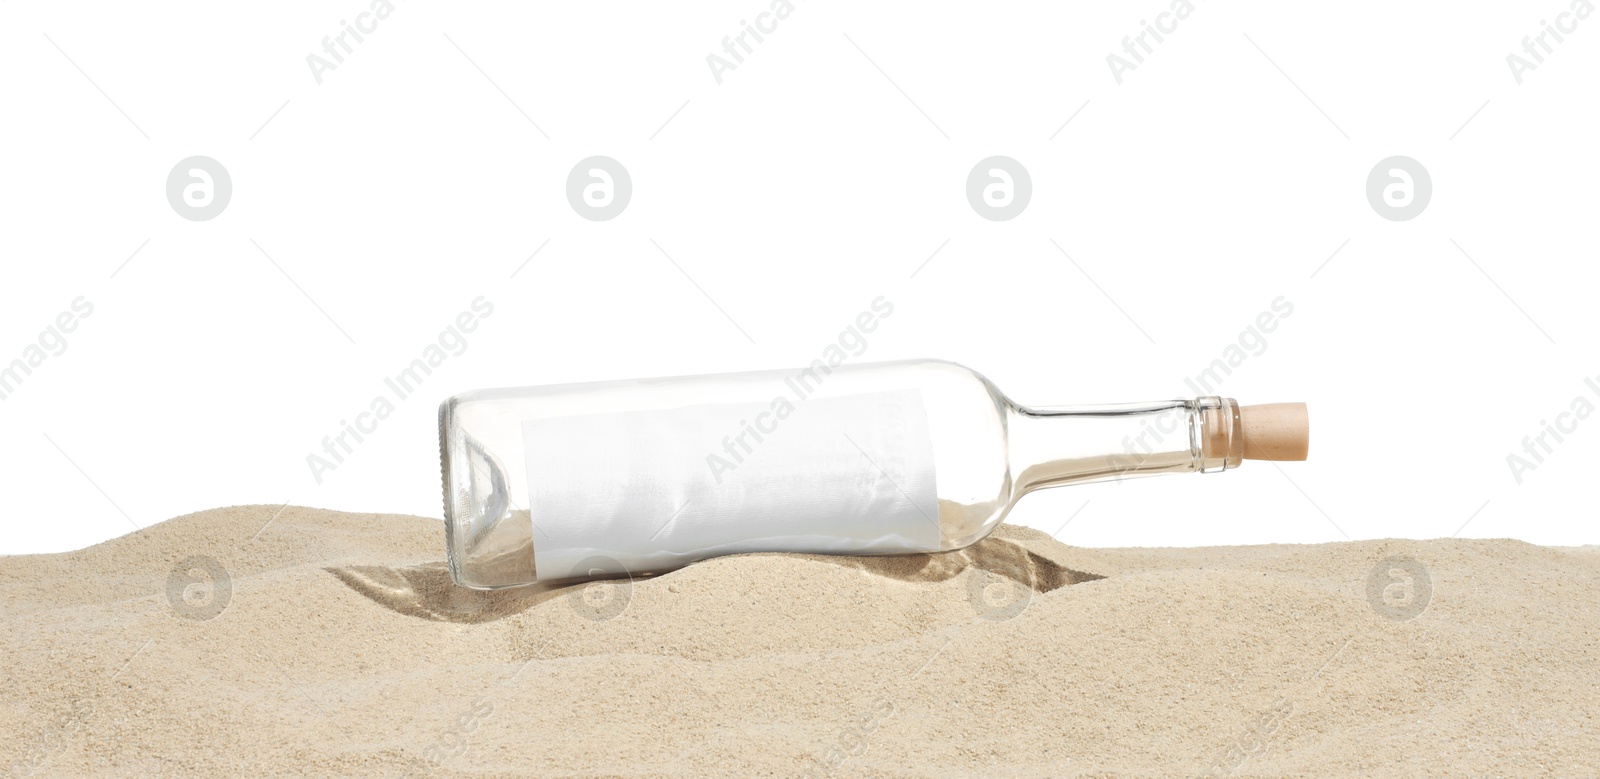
column 1052, row 446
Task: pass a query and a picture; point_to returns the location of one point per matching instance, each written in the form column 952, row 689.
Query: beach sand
column 324, row 643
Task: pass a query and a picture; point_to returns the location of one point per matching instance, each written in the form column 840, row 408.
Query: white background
column 1224, row 172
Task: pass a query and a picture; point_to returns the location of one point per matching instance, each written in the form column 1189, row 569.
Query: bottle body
column 630, row 477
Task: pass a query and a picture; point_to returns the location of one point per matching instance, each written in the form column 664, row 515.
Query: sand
column 334, row 644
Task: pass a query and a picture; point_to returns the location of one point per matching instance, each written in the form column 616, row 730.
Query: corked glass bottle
column 642, row 476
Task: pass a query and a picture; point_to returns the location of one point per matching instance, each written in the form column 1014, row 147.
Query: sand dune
column 324, row 643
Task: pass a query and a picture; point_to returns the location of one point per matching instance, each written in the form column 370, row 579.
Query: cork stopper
column 1275, row 431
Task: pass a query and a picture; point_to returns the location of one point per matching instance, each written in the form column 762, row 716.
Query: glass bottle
column 642, row 476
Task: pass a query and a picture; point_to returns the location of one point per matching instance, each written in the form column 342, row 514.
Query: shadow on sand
column 426, row 591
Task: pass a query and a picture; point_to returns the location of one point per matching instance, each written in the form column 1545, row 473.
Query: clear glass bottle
column 642, row 476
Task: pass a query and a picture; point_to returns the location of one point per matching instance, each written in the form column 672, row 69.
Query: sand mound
column 261, row 641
